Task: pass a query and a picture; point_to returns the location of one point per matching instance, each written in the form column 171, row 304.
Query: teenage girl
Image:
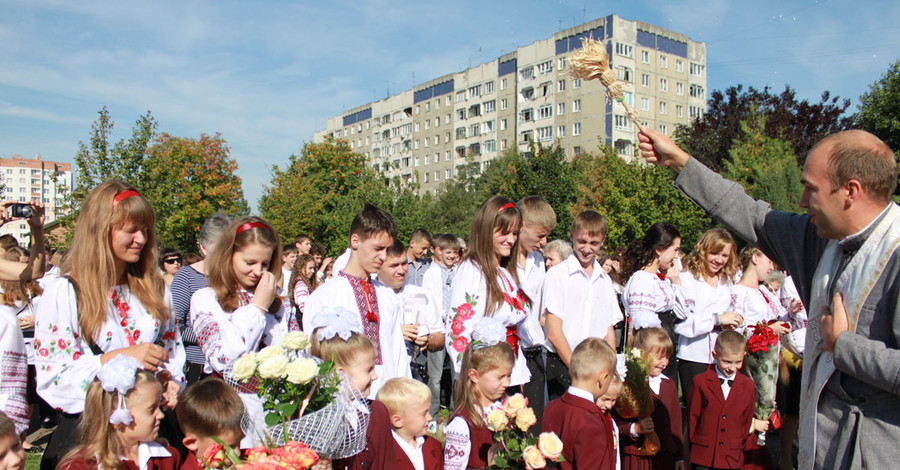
column 302, row 283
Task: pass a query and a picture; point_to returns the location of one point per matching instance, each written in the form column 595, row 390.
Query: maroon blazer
column 666, row 420
column 719, row 428
column 191, row 462
column 379, row 451
column 584, row 431
column 432, row 451
column 173, row 462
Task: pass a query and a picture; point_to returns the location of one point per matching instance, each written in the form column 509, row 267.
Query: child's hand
column 323, row 464
column 760, row 425
column 644, row 426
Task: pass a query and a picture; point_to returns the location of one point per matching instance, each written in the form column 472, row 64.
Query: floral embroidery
column 462, row 312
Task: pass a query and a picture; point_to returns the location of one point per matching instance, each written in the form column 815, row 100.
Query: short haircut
column 317, row 249
column 8, row 241
column 212, row 229
column 654, row 341
column 398, row 393
column 420, row 234
column 397, row 248
column 289, row 248
column 562, row 247
column 590, row 358
column 7, row 427
column 372, row 220
column 536, row 211
column 166, row 253
column 446, row 241
column 860, row 155
column 209, row 408
column 730, row 342
column 301, row 237
column 591, row 222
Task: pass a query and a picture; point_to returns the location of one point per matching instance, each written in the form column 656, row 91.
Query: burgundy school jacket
column 432, row 451
column 172, row 462
column 719, row 428
column 584, row 431
column 379, row 451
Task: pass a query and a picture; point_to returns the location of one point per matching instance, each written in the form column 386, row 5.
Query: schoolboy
column 575, row 417
column 303, row 243
column 578, row 300
column 371, row 233
column 415, row 254
column 720, row 408
column 289, row 254
column 206, row 409
column 437, row 281
column 407, row 402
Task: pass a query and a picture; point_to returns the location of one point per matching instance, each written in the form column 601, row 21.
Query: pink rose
column 460, row 343
column 465, row 311
column 457, row 327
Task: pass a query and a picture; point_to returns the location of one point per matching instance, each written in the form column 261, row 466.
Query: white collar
column 723, row 376
column 581, row 393
column 575, row 267
column 658, row 378
column 420, row 441
column 867, row 227
column 148, row 450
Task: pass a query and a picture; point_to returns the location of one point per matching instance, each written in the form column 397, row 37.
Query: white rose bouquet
column 514, row 447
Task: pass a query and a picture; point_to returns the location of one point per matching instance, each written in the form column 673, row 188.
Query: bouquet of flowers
column 513, row 447
column 762, row 362
column 293, row 455
column 636, row 399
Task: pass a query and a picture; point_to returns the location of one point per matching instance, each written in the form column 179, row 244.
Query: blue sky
column 268, row 74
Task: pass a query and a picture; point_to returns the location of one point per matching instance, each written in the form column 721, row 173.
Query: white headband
column 118, row 375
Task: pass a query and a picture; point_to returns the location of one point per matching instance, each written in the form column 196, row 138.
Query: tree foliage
column 879, row 108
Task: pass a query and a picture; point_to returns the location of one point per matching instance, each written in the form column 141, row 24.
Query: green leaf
column 272, row 419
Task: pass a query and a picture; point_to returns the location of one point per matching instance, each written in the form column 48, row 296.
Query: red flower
column 136, row 335
column 465, row 311
column 460, row 343
column 457, row 327
column 43, row 352
column 61, row 343
column 76, row 355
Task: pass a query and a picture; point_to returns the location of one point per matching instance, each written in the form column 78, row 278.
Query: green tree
column 765, row 166
column 879, row 108
column 453, row 206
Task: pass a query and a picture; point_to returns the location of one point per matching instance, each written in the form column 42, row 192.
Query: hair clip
column 336, row 322
column 508, row 205
column 249, row 225
column 118, row 375
column 123, row 196
column 487, row 332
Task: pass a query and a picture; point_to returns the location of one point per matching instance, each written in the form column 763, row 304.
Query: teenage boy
column 575, row 417
column 437, row 281
column 407, row 402
column 418, row 264
column 721, row 403
column 578, row 300
column 371, row 233
column 538, row 220
column 303, row 243
column 289, row 254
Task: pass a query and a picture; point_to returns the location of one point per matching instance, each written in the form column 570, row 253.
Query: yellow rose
column 533, row 458
column 268, row 353
column 274, row 367
column 513, row 404
column 295, row 340
column 301, row 371
column 525, row 419
column 496, row 420
column 244, row 367
column 550, row 445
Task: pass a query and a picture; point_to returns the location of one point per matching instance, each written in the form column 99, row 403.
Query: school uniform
column 427, row 455
column 380, row 451
column 191, row 462
column 719, row 419
column 467, row 445
column 584, row 430
column 151, row 456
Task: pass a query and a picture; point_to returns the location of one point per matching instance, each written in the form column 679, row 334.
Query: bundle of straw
column 591, row 62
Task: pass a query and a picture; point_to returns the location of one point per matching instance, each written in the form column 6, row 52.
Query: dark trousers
column 687, row 370
column 558, row 380
column 534, row 388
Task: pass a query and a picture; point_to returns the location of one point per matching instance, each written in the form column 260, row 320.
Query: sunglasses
column 172, row 260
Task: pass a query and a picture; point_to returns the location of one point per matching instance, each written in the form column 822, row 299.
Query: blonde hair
column 615, row 385
column 653, row 341
column 591, row 222
column 747, row 254
column 590, row 358
column 7, row 427
column 91, row 264
column 100, row 444
column 398, row 393
column 711, row 241
column 482, row 360
column 18, row 290
column 221, row 265
column 494, row 215
column 536, row 211
column 341, row 352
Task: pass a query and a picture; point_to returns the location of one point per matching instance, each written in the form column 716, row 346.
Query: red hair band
column 508, row 205
column 250, row 225
column 123, row 196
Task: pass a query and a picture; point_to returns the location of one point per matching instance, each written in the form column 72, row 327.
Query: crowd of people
column 120, row 342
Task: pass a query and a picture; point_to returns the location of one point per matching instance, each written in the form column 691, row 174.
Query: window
column 503, row 84
column 475, row 91
column 561, row 131
column 576, row 151
column 475, row 148
column 449, row 100
column 427, row 174
column 663, row 84
column 447, row 119
column 561, row 63
column 545, row 111
column 545, row 89
column 528, row 93
column 503, row 144
column 679, row 89
column 460, row 132
column 448, row 173
column 545, row 67
column 417, row 127
column 437, row 175
column 488, row 87
column 645, row 79
column 663, row 107
column 679, row 110
column 527, row 136
column 427, row 159
column 427, row 142
column 490, row 106
column 427, row 107
column 490, row 145
column 576, row 106
column 561, row 108
column 561, row 85
column 625, row 50
column 437, row 122
column 417, row 144
column 679, row 65
column 695, row 112
column 527, row 114
column 629, row 98
column 487, row 126
column 623, row 74
column 418, row 109
column 576, row 128
column 475, row 110
column 527, row 73
column 663, row 61
column 545, row 133
column 437, row 103
column 460, row 96
column 447, row 138
column 503, row 124
column 461, row 152
column 474, row 130
column 461, row 114
column 645, row 57
column 645, row 104
column 697, row 91
column 447, row 159
column 697, row 70
column 623, row 147
column 577, row 83
column 503, row 104
column 664, row 129
column 623, row 122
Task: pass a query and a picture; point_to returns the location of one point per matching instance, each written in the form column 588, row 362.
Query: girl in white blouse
column 486, row 283
column 753, row 301
column 111, row 300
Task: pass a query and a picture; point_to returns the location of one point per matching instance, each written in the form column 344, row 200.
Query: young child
column 407, row 402
column 12, row 454
column 486, row 367
column 120, row 423
column 338, row 336
column 666, row 417
column 209, row 408
column 575, row 417
column 606, row 402
column 720, row 408
column 578, row 300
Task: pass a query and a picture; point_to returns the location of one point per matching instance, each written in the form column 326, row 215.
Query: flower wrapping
column 762, row 363
column 636, row 399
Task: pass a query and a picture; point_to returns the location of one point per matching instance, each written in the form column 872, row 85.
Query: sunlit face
column 304, row 246
column 393, row 272
column 716, row 260
column 658, row 364
column 288, row 259
column 608, row 400
column 310, row 269
column 607, row 265
column 144, row 405
column 491, row 384
column 128, row 240
column 418, row 248
column 668, row 255
column 12, row 454
column 361, row 370
column 552, row 258
column 249, row 263
column 372, row 251
column 533, row 237
column 504, row 241
column 415, row 417
column 729, row 362
column 449, row 257
column 586, row 246
column 825, row 207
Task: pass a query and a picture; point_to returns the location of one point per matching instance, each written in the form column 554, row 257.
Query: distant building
column 426, row 134
column 27, row 180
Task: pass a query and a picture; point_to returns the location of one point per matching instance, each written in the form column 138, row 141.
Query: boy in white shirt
column 437, row 281
column 407, row 402
column 289, row 255
column 578, row 300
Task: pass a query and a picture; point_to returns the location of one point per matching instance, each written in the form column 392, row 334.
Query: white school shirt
column 755, row 305
column 646, row 296
column 14, row 369
column 796, row 339
column 337, row 293
column 726, row 386
column 697, row 333
column 586, row 305
column 64, row 362
column 469, row 284
column 433, row 282
column 285, row 279
column 531, row 278
column 414, row 453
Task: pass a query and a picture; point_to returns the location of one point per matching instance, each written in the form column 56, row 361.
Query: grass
column 33, row 461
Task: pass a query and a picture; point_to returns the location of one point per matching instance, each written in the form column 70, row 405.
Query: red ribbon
column 508, row 205
column 250, row 225
column 512, row 338
column 123, row 196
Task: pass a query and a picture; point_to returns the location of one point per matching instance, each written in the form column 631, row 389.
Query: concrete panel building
column 33, row 180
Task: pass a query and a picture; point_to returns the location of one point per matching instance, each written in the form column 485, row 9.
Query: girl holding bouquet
column 486, row 367
column 486, row 284
column 665, row 421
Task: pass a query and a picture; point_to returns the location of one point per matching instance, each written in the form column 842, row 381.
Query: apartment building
column 463, row 121
column 33, row 180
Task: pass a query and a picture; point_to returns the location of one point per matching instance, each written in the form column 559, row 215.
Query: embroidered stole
column 367, row 304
